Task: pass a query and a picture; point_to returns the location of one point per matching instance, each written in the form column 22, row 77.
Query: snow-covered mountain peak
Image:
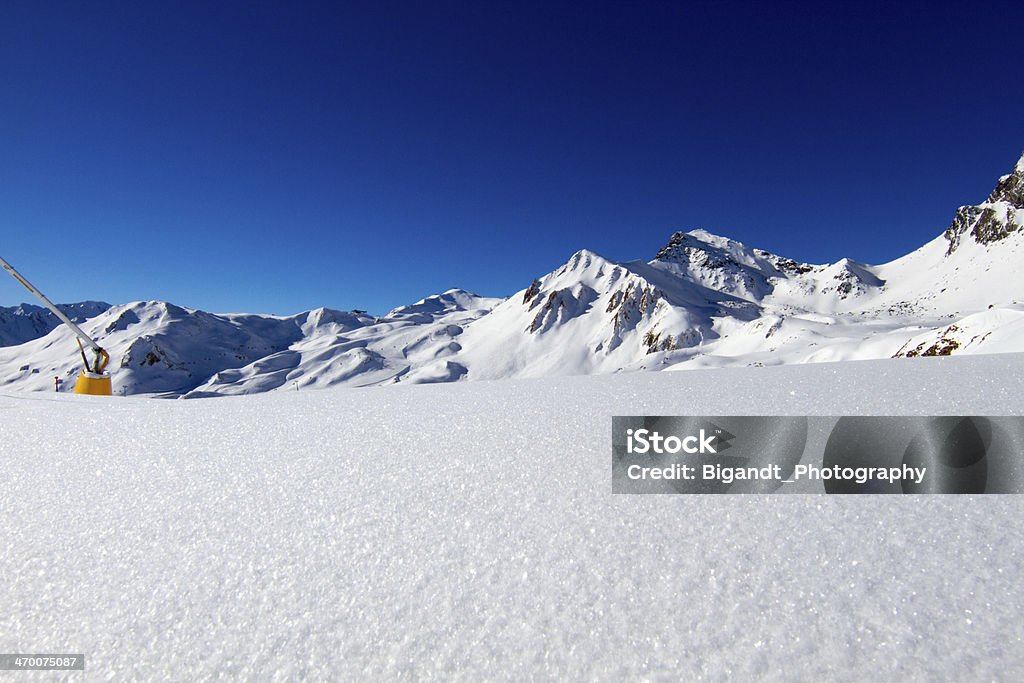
column 584, row 266
column 681, row 245
column 711, row 249
column 449, row 301
column 327, row 320
column 717, row 263
column 720, row 241
column 851, row 278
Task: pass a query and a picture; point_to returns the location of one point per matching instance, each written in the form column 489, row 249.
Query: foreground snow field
column 468, row 531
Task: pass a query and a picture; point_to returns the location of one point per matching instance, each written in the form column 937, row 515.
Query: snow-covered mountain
column 19, row 324
column 702, row 301
column 413, row 344
column 160, row 348
column 706, row 300
column 155, row 347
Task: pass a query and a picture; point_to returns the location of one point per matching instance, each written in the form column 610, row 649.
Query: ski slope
column 467, row 531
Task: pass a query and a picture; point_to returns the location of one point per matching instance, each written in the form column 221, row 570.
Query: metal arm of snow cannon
column 102, row 357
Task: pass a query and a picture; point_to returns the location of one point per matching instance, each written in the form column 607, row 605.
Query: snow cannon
column 93, row 379
column 93, row 384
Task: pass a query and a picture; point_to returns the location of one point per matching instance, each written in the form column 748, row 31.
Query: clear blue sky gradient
column 275, row 157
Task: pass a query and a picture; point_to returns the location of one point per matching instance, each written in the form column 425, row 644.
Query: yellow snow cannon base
column 93, row 384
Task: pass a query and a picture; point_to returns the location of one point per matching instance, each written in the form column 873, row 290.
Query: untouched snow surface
column 468, row 531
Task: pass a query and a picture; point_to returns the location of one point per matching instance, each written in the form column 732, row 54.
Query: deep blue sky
column 276, row 157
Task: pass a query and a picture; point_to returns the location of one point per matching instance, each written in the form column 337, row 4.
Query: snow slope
column 467, row 532
column 412, row 343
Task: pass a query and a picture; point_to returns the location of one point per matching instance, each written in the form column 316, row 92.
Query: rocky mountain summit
column 996, row 218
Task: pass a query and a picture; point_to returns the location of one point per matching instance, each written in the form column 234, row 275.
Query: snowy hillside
column 413, row 344
column 163, row 349
column 468, row 532
column 155, row 347
column 703, row 301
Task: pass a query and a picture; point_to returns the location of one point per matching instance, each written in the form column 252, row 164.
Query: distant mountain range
column 19, row 324
column 703, row 301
